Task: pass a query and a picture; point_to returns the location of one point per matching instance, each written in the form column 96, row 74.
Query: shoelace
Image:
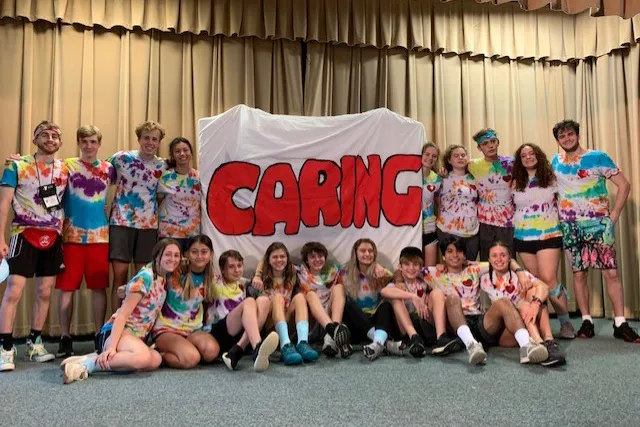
column 38, row 350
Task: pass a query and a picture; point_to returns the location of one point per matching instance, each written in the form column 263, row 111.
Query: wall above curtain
column 457, row 26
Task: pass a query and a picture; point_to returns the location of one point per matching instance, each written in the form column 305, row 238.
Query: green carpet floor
column 600, row 385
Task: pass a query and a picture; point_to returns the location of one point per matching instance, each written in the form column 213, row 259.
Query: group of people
column 182, row 309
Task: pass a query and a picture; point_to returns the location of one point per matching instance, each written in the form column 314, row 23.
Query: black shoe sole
column 341, row 337
column 549, row 363
column 417, row 350
column 452, row 346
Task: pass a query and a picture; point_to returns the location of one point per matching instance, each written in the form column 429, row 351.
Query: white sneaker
column 37, row 353
column 329, row 347
column 373, row 351
column 266, row 349
column 78, row 359
column 477, row 355
column 6, row 359
column 394, row 348
column 74, row 372
column 533, row 353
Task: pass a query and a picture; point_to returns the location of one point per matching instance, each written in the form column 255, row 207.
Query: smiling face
column 365, row 254
column 453, row 257
column 528, row 157
column 568, row 140
column 48, row 141
column 149, row 142
column 316, row 261
column 169, row 260
column 429, row 157
column 233, row 270
column 410, row 269
column 199, row 256
column 181, row 152
column 278, row 261
column 89, row 146
column 499, row 258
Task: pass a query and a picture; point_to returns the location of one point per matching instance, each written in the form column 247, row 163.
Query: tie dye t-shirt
column 504, row 286
column 536, row 216
column 85, row 201
column 144, row 315
column 226, row 297
column 179, row 211
column 458, row 212
column 365, row 294
column 181, row 314
column 465, row 284
column 493, row 179
column 430, row 187
column 320, row 283
column 418, row 287
column 582, row 185
column 28, row 208
column 135, row 203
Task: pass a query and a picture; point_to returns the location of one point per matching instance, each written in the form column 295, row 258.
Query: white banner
column 295, row 179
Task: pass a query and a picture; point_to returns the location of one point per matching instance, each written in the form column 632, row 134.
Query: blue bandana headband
column 489, row 135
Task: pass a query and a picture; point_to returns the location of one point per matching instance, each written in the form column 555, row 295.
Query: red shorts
column 90, row 261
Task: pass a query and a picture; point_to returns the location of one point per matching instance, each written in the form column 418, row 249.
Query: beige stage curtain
column 458, row 26
column 118, row 79
column 454, row 95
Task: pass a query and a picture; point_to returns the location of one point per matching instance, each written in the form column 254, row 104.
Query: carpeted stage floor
column 600, row 385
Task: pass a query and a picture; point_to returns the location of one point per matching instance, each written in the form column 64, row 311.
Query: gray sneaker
column 329, row 347
column 373, row 351
column 533, row 353
column 394, row 348
column 36, row 351
column 476, row 354
column 566, row 331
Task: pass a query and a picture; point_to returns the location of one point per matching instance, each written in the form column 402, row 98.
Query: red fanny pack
column 39, row 238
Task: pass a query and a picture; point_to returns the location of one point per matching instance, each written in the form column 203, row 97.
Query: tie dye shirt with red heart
column 418, row 287
column 458, row 211
column 430, row 188
column 465, row 284
column 504, row 285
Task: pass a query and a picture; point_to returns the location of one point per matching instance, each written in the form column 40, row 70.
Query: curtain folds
column 118, row 79
column 460, row 26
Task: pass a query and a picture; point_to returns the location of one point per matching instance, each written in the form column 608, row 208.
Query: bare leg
column 133, row 355
column 548, row 261
column 531, row 327
column 177, row 352
column 99, row 302
column 614, row 290
column 206, row 344
column 544, row 324
column 581, row 290
column 502, row 314
column 12, row 294
column 336, row 302
column 44, row 285
column 454, row 311
column 277, row 309
column 317, row 311
column 438, row 312
column 120, row 274
column 65, row 308
column 299, row 306
column 430, row 255
column 245, row 316
column 402, row 317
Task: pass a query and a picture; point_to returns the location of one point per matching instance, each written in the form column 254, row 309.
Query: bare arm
column 539, row 290
column 6, row 195
column 391, row 292
column 130, row 302
column 624, row 188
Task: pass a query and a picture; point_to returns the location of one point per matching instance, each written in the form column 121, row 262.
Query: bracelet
column 518, row 270
column 536, row 299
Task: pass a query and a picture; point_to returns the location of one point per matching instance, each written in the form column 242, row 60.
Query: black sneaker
column 232, row 357
column 586, row 330
column 65, row 347
column 416, row 346
column 556, row 357
column 342, row 336
column 447, row 345
column 626, row 332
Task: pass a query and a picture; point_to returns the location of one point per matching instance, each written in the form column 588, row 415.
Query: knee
column 436, row 295
column 298, row 300
column 43, row 291
column 12, row 294
column 263, row 303
column 210, row 351
column 154, row 360
column 189, row 358
column 277, row 300
column 610, row 275
column 452, row 300
column 145, row 360
column 249, row 303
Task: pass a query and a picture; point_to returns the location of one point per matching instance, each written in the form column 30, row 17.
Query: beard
column 573, row 148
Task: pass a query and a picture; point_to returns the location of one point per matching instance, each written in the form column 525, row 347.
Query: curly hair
column 448, row 154
column 544, row 173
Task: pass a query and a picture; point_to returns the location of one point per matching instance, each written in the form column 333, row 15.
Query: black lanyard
column 53, row 169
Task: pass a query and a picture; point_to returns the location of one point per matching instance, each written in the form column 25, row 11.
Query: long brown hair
column 158, row 251
column 289, row 276
column 430, row 144
column 209, row 270
column 544, row 173
column 449, row 153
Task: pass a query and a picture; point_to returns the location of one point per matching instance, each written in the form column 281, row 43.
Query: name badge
column 49, row 197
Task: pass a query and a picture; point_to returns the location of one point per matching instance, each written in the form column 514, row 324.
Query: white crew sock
column 464, row 333
column 522, row 336
column 619, row 320
column 587, row 317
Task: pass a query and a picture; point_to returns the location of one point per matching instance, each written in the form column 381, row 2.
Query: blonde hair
column 88, row 130
column 148, row 127
column 352, row 267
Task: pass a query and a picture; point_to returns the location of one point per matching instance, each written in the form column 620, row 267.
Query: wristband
column 518, row 270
